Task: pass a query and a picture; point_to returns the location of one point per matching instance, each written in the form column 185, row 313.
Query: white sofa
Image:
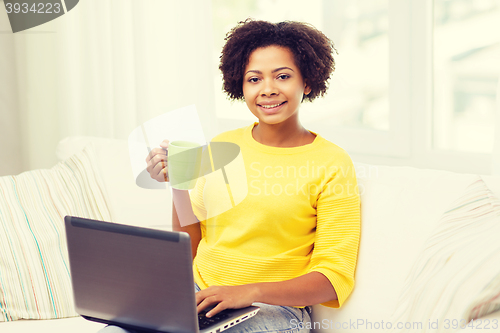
column 400, row 209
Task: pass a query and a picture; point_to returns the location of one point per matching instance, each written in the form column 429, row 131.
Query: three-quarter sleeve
column 338, row 231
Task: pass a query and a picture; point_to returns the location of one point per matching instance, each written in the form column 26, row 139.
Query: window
column 414, row 84
column 466, row 70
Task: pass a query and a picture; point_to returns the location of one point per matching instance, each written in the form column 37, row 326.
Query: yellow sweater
column 301, row 214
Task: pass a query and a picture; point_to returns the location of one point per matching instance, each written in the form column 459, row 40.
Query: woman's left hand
column 226, row 297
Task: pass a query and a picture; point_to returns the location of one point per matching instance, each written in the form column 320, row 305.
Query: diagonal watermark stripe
column 26, row 14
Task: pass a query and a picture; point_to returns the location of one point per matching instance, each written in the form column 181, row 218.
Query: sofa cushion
column 34, row 273
column 65, row 325
column 456, row 277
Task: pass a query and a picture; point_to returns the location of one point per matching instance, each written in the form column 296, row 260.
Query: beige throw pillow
column 456, row 277
column 34, row 271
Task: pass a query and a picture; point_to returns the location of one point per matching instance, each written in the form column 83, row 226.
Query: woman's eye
column 283, row 76
column 253, row 79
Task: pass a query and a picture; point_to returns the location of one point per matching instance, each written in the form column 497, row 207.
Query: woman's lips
column 268, row 110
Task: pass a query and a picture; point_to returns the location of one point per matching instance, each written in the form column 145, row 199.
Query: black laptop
column 138, row 278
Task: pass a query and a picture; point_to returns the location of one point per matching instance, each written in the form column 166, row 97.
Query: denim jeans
column 270, row 318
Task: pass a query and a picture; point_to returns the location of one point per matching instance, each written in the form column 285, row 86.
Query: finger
column 152, row 164
column 160, row 151
column 153, row 152
column 159, row 171
column 202, row 295
column 199, row 297
column 164, row 144
column 220, row 307
column 202, row 306
column 207, row 302
column 159, row 159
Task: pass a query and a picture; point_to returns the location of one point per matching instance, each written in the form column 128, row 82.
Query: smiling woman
column 293, row 241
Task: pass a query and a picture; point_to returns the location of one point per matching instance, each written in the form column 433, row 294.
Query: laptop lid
column 132, row 276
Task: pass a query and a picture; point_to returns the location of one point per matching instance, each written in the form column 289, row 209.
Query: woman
column 293, row 241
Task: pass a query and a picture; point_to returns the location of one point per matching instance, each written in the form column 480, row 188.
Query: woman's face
column 273, row 86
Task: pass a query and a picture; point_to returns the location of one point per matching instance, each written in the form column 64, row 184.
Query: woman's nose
column 269, row 88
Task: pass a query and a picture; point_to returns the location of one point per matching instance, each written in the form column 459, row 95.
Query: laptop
column 138, row 278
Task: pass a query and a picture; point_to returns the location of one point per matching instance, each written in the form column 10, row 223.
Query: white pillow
column 456, row 277
column 34, row 272
column 399, row 210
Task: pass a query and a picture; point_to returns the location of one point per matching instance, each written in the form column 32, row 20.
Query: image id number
column 36, row 8
column 479, row 324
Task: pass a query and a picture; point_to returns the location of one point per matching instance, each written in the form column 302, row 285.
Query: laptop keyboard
column 204, row 321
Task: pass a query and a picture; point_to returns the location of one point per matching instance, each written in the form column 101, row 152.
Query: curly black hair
column 312, row 50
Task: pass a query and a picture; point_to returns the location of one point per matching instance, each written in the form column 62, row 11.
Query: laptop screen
column 132, row 276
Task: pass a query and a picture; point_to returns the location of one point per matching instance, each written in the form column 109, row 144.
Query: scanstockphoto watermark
column 263, row 187
column 365, row 324
column 358, row 324
column 292, row 180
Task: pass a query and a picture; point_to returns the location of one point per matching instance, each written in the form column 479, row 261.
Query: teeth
column 271, row 106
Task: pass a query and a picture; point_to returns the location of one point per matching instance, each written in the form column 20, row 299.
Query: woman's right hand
column 157, row 162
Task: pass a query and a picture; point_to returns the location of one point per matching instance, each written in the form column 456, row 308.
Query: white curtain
column 495, row 168
column 10, row 143
column 102, row 69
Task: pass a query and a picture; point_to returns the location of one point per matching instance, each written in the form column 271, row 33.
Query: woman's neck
column 281, row 135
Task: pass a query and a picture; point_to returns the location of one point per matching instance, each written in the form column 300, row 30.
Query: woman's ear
column 307, row 89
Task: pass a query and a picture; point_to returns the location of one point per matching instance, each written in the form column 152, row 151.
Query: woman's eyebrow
column 281, row 68
column 273, row 71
